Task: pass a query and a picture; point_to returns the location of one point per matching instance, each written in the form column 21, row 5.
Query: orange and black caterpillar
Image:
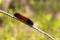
column 23, row 19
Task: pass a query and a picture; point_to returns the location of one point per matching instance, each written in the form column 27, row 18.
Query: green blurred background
column 44, row 13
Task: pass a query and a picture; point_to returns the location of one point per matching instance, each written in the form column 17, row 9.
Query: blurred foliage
column 0, row 1
column 1, row 14
column 15, row 30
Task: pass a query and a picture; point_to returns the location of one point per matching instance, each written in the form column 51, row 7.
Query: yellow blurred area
column 0, row 1
column 1, row 32
column 1, row 14
column 48, row 17
column 8, row 36
column 56, row 25
column 32, row 2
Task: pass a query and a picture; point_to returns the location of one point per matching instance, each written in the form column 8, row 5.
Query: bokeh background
column 44, row 13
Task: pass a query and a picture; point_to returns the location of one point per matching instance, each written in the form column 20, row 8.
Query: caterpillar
column 23, row 19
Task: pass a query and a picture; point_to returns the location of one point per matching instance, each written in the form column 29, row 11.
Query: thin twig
column 7, row 14
column 39, row 30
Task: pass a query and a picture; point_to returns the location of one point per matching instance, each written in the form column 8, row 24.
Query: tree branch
column 35, row 27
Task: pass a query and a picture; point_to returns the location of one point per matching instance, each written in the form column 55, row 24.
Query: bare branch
column 35, row 27
column 7, row 14
column 41, row 31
